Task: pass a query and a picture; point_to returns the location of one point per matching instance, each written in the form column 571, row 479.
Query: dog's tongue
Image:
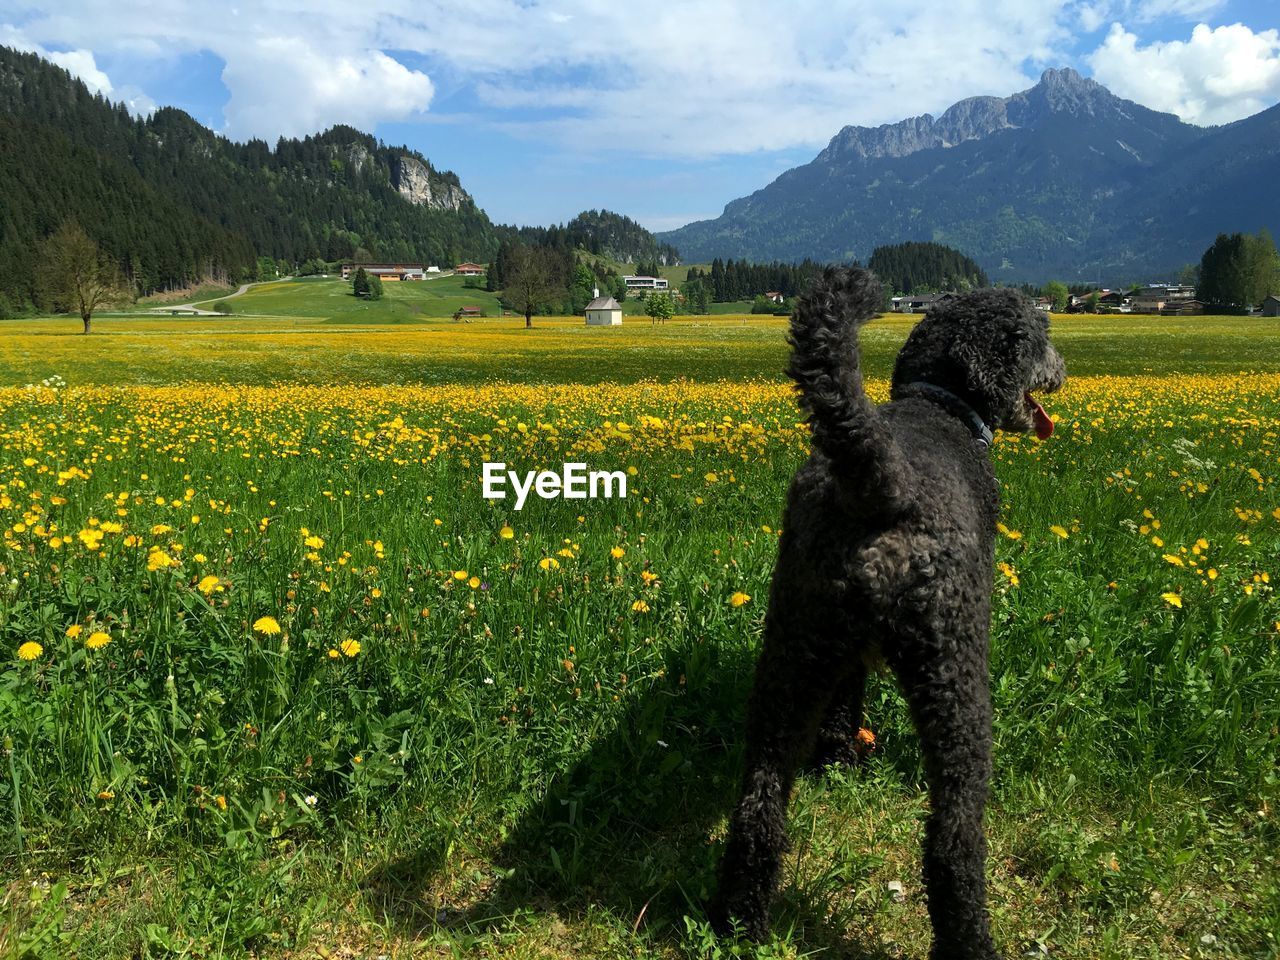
column 1044, row 426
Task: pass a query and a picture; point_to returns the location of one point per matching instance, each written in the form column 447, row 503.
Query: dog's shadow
column 633, row 828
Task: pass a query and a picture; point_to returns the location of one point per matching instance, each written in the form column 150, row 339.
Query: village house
column 469, row 269
column 603, row 311
column 1271, row 306
column 386, row 271
column 774, row 295
column 1154, row 297
column 1115, row 300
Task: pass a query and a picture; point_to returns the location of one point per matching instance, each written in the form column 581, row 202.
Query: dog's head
column 990, row 348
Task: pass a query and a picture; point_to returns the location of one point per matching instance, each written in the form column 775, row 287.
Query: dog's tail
column 825, row 366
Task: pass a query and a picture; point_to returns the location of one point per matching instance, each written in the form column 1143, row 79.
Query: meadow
column 278, row 682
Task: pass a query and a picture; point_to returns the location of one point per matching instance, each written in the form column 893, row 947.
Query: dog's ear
column 997, row 355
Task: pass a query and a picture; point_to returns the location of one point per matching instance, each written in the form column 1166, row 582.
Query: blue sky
column 663, row 112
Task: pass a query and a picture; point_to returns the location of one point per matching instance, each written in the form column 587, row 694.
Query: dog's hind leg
column 786, row 705
column 838, row 734
column 949, row 696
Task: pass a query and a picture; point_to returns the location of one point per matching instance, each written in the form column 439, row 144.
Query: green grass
column 545, row 770
column 331, row 299
column 327, row 349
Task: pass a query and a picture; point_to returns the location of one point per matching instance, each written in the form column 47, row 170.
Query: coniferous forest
column 925, row 267
column 175, row 203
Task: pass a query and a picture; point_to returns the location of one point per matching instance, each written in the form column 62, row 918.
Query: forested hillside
column 175, row 203
column 924, row 267
column 601, row 232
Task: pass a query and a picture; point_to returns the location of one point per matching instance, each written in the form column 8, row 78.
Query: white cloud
column 80, row 63
column 1219, row 75
column 698, row 78
column 704, row 77
column 282, row 86
column 1092, row 14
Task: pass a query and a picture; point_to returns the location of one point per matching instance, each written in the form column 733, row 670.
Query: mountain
column 176, row 203
column 1064, row 179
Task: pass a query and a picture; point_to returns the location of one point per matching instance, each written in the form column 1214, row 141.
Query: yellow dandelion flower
column 640, row 607
column 30, row 650
column 739, row 598
column 474, row 583
column 97, row 640
column 221, row 801
column 506, row 533
column 1059, row 531
column 349, row 647
column 1172, row 599
column 549, row 563
column 208, row 584
column 74, row 630
column 267, row 625
column 617, row 553
column 459, row 574
column 333, row 653
column 314, row 542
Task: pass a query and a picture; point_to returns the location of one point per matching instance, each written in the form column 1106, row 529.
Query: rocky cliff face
column 418, row 184
column 1059, row 92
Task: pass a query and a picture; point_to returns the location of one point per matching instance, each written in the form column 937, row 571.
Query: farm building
column 645, row 283
column 469, row 269
column 1154, row 297
column 918, row 303
column 386, row 271
column 1271, row 306
column 604, row 312
column 467, row 312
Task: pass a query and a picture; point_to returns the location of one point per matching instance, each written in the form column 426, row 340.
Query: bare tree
column 530, row 280
column 73, row 275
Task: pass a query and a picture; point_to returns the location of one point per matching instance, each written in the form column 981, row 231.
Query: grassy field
column 318, row 350
column 330, row 299
column 279, row 682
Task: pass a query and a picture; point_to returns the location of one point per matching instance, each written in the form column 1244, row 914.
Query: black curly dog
column 886, row 556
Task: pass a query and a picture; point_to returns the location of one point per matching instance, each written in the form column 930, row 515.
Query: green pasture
column 331, row 299
column 532, row 746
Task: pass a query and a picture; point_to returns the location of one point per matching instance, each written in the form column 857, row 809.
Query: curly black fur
column 886, row 555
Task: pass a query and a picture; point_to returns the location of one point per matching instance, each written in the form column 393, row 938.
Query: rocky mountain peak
column 1060, row 91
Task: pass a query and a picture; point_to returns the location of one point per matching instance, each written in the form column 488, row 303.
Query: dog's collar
column 977, row 426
